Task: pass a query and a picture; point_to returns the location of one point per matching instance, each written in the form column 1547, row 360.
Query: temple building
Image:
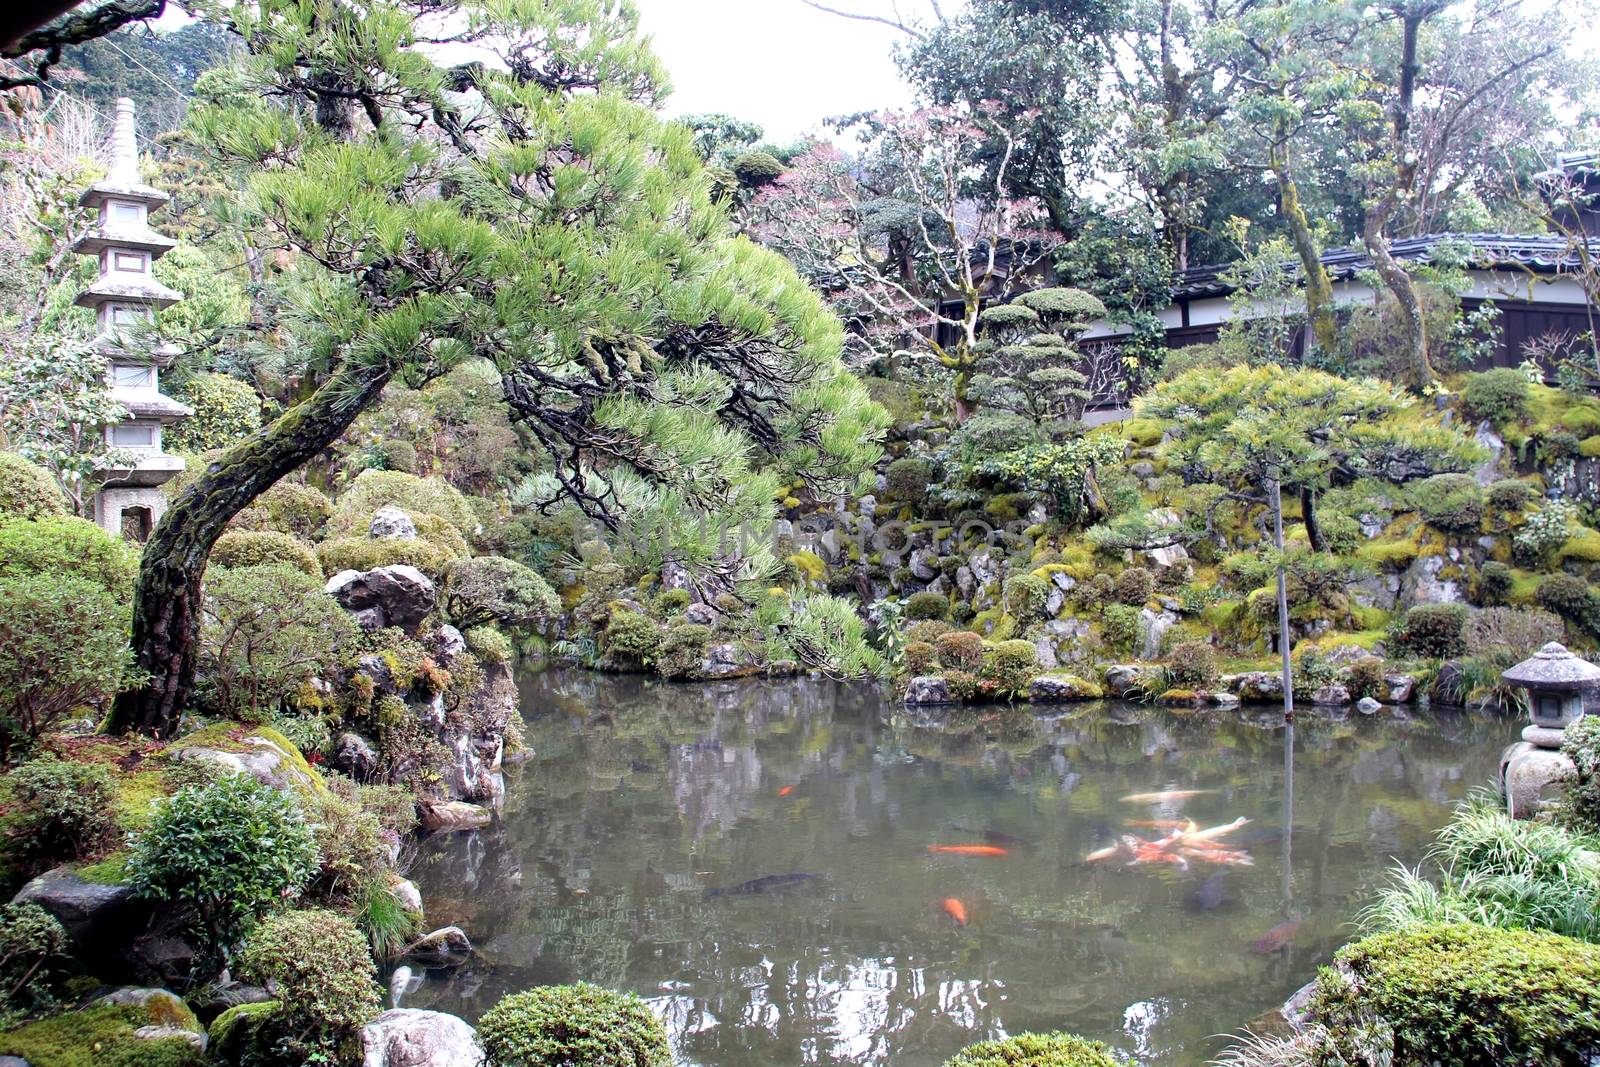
column 130, row 500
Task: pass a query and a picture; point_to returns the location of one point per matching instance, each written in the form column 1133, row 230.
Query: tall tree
column 919, row 255
column 532, row 211
column 1418, row 112
column 1282, row 55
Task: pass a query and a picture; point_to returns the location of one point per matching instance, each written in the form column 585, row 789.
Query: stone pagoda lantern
column 1556, row 682
column 130, row 501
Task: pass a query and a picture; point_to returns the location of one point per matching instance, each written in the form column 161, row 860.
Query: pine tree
column 1029, row 364
column 533, row 212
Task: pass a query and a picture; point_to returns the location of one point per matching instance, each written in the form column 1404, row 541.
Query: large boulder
column 397, row 595
column 410, row 1037
column 448, row 946
column 452, row 815
column 929, row 689
column 270, row 762
column 1062, row 689
column 1258, row 687
column 392, row 524
column 1124, row 678
column 89, row 912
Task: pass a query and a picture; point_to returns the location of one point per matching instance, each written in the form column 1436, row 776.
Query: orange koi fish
column 955, row 909
column 969, row 850
column 786, row 790
column 1278, row 938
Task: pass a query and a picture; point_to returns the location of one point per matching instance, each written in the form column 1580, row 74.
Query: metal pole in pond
column 1283, row 601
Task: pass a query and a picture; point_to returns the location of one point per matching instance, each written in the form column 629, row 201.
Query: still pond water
column 644, row 799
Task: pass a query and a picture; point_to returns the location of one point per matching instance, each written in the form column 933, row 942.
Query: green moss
column 230, row 1032
column 102, row 1036
column 810, row 567
column 994, row 624
column 232, row 737
column 1583, row 546
column 1589, row 447
column 1036, row 1050
column 1469, row 996
column 1144, row 433
column 111, row 870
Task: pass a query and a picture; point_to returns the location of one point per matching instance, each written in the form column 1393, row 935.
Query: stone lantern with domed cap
column 1556, row 682
column 130, row 500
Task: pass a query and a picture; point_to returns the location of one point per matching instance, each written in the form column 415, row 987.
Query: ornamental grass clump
column 564, row 1026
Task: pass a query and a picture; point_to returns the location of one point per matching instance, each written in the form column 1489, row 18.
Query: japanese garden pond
column 753, row 859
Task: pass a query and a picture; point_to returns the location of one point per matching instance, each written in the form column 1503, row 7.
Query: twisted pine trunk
column 167, row 597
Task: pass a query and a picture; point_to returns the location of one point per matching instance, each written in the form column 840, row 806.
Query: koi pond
column 804, row 872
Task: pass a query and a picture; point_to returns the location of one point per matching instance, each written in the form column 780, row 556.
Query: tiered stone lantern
column 1556, row 681
column 130, row 501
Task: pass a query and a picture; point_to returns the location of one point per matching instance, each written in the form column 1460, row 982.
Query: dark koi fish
column 764, row 884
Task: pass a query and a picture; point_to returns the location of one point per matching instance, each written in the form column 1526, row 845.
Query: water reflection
column 641, row 796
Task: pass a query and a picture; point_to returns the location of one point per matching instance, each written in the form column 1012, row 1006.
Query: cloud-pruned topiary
column 247, row 548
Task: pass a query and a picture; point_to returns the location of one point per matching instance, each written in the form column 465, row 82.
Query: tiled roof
column 1534, row 253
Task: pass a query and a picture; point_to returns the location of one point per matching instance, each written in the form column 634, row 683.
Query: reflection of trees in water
column 642, row 794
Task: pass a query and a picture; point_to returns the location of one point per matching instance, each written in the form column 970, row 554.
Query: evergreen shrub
column 1431, row 631
column 563, row 1026
column 1500, row 395
column 924, row 606
column 27, row 491
column 247, row 548
column 961, row 650
column 63, row 810
column 1463, row 995
column 1036, row 1050
column 1451, row 502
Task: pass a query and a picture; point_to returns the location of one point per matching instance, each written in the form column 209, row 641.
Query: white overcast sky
column 777, row 62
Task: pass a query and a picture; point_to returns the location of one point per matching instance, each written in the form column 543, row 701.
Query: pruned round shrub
column 247, row 548
column 672, row 602
column 365, row 553
column 1431, row 631
column 1341, row 533
column 920, row 658
column 63, row 810
column 924, row 606
column 1122, row 627
column 1134, row 586
column 631, row 638
column 683, row 650
column 929, row 630
column 564, row 1026
column 1036, row 1050
column 1500, row 395
column 1449, row 501
column 1192, row 665
column 63, row 648
column 232, row 850
column 1494, row 583
column 1569, row 597
column 1509, row 494
column 27, row 491
column 288, row 507
column 319, row 966
column 1365, row 678
column 494, row 589
column 1463, row 995
column 1011, row 666
column 62, row 546
column 961, row 650
column 373, row 489
column 1060, row 305
column 1025, row 596
column 906, row 480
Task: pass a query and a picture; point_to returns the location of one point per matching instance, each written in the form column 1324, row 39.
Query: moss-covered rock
column 107, row 1034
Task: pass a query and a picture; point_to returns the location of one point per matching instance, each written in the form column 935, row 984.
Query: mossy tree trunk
column 1319, row 287
column 167, row 596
